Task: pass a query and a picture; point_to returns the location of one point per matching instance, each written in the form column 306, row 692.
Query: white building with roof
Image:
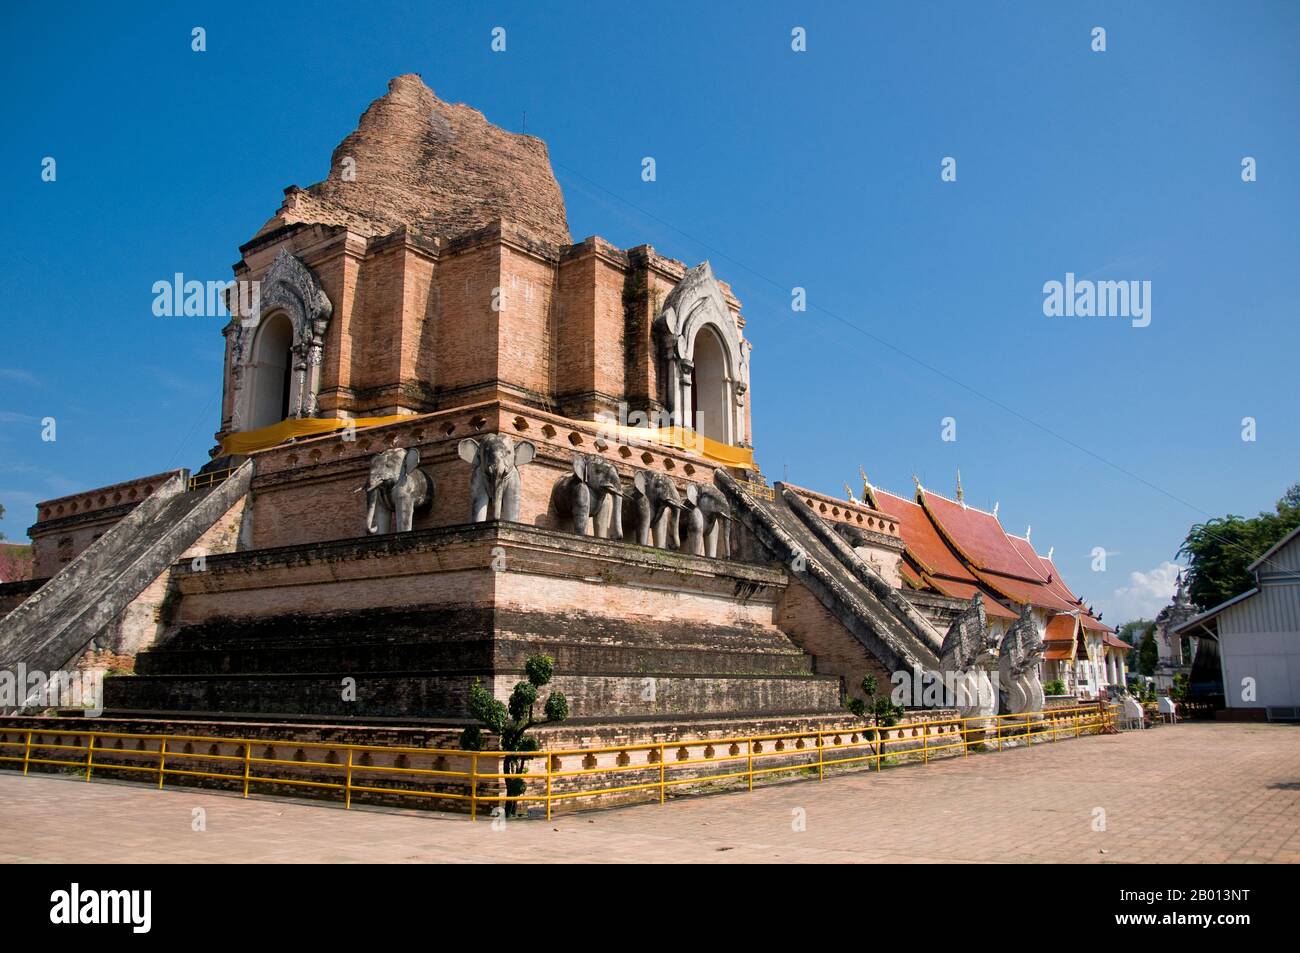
column 1258, row 633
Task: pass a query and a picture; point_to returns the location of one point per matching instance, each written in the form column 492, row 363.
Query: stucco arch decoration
column 290, row 288
column 695, row 303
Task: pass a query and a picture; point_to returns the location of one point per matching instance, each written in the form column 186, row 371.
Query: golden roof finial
column 866, row 484
column 961, row 497
column 849, row 490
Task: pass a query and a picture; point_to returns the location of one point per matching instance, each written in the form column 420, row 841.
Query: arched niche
column 711, row 391
column 705, row 360
column 271, row 372
column 290, row 293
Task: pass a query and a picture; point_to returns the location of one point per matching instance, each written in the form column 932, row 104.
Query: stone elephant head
column 708, row 518
column 495, row 460
column 397, row 484
column 592, row 492
column 654, row 504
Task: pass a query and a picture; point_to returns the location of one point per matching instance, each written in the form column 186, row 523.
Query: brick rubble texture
column 441, row 168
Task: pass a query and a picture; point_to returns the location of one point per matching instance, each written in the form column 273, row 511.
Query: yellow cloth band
column 678, row 438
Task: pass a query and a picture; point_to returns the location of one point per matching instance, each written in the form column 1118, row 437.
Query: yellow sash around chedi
column 678, row 438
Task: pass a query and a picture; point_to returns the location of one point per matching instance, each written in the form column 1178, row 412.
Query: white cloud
column 1145, row 595
column 14, row 374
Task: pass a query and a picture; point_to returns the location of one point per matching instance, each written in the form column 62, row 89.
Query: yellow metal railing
column 211, row 478
column 745, row 758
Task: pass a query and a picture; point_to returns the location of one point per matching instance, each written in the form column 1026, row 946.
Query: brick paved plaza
column 1187, row 793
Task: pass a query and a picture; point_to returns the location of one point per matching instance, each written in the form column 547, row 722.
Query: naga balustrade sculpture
column 965, row 660
column 1019, row 684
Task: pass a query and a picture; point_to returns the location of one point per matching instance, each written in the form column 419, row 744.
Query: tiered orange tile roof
column 935, row 563
column 1059, row 637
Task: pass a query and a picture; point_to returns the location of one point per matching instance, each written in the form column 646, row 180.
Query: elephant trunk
column 372, row 501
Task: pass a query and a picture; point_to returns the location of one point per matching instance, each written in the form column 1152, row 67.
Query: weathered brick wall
column 836, row 650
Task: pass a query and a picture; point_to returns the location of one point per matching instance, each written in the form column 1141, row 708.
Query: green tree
column 1148, row 653
column 1179, row 690
column 512, row 721
column 1132, row 632
column 1219, row 550
column 880, row 708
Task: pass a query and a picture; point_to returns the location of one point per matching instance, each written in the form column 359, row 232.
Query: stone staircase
column 851, row 590
column 52, row 628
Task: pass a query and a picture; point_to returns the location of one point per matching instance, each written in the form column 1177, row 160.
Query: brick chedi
column 426, row 427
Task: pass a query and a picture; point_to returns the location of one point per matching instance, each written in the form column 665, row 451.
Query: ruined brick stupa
column 451, row 438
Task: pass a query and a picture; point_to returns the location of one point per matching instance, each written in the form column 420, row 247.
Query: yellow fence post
column 548, row 785
column 999, row 727
column 347, row 784
column 473, row 786
column 749, row 744
column 880, row 746
column 27, row 752
column 821, row 759
column 925, row 743
column 162, row 762
column 1078, row 725
column 90, row 756
column 248, row 764
column 663, row 789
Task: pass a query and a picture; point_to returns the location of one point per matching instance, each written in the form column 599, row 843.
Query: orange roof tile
column 1060, row 628
column 1059, row 652
column 920, row 537
column 978, row 536
column 964, row 590
column 1022, row 592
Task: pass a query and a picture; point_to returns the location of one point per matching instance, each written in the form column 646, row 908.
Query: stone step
column 470, row 656
column 440, row 695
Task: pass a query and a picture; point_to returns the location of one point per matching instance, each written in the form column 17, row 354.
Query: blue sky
column 818, row 169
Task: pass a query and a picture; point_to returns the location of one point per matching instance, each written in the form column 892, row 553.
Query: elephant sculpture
column 592, row 492
column 398, row 485
column 655, row 505
column 708, row 521
column 495, row 460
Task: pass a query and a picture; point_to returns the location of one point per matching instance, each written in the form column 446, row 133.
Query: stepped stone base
column 636, row 632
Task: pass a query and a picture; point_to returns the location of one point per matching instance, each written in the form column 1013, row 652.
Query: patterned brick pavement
column 1187, row 793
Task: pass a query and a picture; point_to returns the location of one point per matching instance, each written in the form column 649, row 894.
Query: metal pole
column 162, row 762
column 473, row 786
column 663, row 791
column 90, row 756
column 27, row 752
column 248, row 758
column 347, row 784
